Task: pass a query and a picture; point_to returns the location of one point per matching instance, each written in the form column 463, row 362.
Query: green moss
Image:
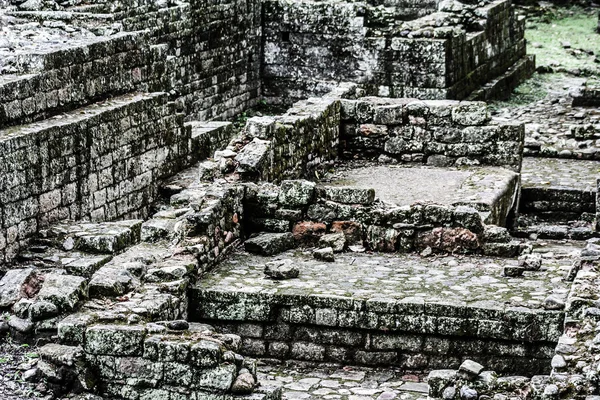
column 546, row 33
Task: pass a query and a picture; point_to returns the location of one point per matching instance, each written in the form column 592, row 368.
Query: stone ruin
column 137, row 224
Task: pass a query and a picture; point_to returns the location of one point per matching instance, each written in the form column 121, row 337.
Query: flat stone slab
column 378, row 284
column 560, row 174
column 342, row 383
column 482, row 188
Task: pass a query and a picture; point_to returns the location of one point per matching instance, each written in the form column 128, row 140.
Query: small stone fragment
column 530, row 262
column 471, row 368
column 467, row 393
column 513, row 271
column 178, row 325
column 325, row 254
column 337, row 241
column 558, row 362
column 243, row 384
column 269, row 244
column 554, row 302
column 281, row 269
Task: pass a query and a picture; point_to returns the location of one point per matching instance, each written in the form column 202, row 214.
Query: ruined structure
column 136, row 223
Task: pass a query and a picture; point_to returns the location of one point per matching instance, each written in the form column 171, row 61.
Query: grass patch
column 547, row 31
column 528, row 92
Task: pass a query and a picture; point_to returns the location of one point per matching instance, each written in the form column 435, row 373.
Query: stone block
column 115, row 340
column 13, row 285
column 269, row 244
column 64, row 291
column 348, row 195
column 296, row 193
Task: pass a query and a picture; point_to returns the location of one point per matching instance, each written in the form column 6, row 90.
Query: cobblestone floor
column 394, row 276
column 403, row 185
column 560, row 173
column 348, row 383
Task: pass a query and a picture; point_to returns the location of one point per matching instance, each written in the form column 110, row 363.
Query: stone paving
column 347, row 383
column 403, row 185
column 549, row 122
column 557, row 173
column 446, row 278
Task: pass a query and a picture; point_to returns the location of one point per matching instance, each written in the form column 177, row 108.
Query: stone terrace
column 378, row 309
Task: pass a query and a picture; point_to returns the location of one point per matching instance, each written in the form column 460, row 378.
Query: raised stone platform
column 491, row 191
column 559, row 186
column 412, row 312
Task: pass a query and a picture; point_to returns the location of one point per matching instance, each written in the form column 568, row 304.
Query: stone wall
column 440, row 52
column 438, row 133
column 410, row 334
column 101, row 163
column 295, row 144
column 76, row 76
column 310, row 211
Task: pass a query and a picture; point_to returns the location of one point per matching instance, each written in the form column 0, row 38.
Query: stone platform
column 403, row 310
column 559, row 186
column 489, row 190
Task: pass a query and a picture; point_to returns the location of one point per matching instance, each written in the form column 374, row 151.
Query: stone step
column 100, row 162
column 53, row 77
column 559, row 189
column 403, row 310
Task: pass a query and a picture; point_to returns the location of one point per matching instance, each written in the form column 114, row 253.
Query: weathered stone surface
column 42, row 310
column 281, row 269
column 111, row 281
column 337, row 241
column 64, row 291
column 325, row 254
column 270, row 243
column 308, row 231
column 253, row 155
column 244, row 383
column 471, row 368
column 296, row 193
column 348, row 195
column 530, row 262
column 115, row 340
column 12, row 285
column 61, row 354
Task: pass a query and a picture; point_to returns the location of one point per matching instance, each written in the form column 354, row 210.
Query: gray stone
column 349, row 195
column 439, row 379
column 64, row 291
column 513, row 271
column 325, row 254
column 59, row 354
column 296, row 193
column 554, row 302
column 467, row 393
column 111, row 281
column 42, row 310
column 269, row 244
column 337, row 241
column 30, row 375
column 251, row 158
column 558, row 362
column 243, row 384
column 12, row 285
column 178, row 325
column 470, row 113
column 116, row 340
column 530, row 262
column 449, row 393
column 20, row 325
column 281, row 269
column 471, row 368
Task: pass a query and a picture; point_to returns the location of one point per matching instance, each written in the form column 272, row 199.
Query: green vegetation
column 548, row 31
column 530, row 91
